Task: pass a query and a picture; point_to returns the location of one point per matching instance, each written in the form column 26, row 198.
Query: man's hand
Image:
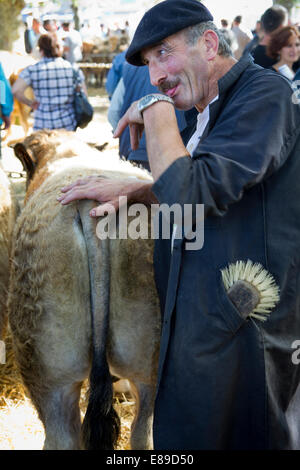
column 134, row 120
column 107, row 191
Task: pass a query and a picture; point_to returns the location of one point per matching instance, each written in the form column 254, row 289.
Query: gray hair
column 193, row 33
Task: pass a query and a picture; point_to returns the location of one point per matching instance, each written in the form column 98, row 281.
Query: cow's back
column 7, row 219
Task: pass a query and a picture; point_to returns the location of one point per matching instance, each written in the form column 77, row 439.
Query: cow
column 80, row 306
column 8, row 211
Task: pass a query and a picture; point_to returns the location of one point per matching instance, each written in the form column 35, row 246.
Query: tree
column 74, row 5
column 10, row 22
column 288, row 4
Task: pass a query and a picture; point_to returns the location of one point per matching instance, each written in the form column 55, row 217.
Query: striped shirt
column 53, row 84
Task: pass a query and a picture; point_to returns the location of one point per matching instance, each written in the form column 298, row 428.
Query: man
column 72, row 43
column 50, row 25
column 134, row 84
column 115, row 73
column 226, row 379
column 273, row 18
column 257, row 34
column 242, row 37
column 229, row 35
column 36, row 31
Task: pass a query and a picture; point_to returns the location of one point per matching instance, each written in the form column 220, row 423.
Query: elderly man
column 226, row 379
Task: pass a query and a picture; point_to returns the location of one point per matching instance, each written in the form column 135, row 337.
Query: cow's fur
column 7, row 219
column 64, row 280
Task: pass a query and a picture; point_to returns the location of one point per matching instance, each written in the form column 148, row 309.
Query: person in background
column 6, row 102
column 285, row 46
column 272, row 19
column 6, row 99
column 36, row 31
column 134, row 84
column 242, row 36
column 102, row 34
column 229, row 35
column 28, row 38
column 50, row 25
column 115, row 73
column 72, row 43
column 53, row 82
column 297, row 76
column 257, row 34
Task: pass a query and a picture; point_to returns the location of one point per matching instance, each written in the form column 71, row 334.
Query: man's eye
column 162, row 51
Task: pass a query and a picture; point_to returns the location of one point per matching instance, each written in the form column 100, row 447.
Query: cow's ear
column 26, row 158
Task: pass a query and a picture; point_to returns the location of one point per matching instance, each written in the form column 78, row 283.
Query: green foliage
column 9, row 22
column 288, row 4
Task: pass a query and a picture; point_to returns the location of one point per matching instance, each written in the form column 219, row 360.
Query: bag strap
column 76, row 83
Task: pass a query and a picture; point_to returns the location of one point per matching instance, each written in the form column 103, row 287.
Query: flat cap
column 163, row 20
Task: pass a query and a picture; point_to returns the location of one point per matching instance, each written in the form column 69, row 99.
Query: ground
column 20, row 427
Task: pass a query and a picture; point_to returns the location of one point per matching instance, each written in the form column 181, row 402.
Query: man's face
column 179, row 70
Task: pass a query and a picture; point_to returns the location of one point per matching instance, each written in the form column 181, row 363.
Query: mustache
column 167, row 85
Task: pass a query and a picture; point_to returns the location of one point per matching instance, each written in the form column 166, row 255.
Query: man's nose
column 157, row 75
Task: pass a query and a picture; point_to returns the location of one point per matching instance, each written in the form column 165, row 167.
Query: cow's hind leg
column 141, row 428
column 60, row 414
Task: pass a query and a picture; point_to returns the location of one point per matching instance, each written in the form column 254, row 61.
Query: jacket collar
column 225, row 84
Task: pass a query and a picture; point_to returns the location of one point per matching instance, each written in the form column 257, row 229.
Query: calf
column 79, row 305
column 7, row 219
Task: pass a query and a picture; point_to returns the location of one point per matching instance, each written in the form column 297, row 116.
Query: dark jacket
column 259, row 54
column 226, row 382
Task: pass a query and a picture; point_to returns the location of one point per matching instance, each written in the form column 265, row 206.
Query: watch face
column 145, row 101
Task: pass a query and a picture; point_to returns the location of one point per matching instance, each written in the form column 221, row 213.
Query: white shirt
column 202, row 121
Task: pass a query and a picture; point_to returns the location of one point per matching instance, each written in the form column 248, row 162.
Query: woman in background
column 53, row 81
column 285, row 46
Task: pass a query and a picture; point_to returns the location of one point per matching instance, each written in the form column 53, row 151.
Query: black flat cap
column 163, row 20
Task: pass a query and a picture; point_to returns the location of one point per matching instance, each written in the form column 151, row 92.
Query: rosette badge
column 251, row 288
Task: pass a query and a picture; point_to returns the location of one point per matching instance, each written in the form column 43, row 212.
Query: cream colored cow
column 76, row 301
column 7, row 219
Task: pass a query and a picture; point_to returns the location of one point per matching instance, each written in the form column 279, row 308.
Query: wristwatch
column 148, row 100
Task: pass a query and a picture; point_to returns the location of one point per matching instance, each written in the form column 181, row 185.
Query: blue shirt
column 115, row 73
column 6, row 96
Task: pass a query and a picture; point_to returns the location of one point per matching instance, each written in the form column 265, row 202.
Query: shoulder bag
column 82, row 107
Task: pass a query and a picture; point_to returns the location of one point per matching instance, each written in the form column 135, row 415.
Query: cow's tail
column 101, row 424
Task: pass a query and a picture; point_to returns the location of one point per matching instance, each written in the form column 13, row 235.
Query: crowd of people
column 73, row 39
column 273, row 43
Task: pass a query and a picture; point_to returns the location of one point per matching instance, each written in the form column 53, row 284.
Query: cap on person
column 163, row 20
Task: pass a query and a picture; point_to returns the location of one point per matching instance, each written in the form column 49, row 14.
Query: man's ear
column 26, row 158
column 211, row 42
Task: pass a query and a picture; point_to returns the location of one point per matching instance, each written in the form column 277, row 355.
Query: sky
column 251, row 10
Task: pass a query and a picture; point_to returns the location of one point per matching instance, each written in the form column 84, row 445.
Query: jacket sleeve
column 250, row 140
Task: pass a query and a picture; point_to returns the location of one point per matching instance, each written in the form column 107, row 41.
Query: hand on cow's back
column 107, row 191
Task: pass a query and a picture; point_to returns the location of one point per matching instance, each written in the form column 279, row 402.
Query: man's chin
column 182, row 106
